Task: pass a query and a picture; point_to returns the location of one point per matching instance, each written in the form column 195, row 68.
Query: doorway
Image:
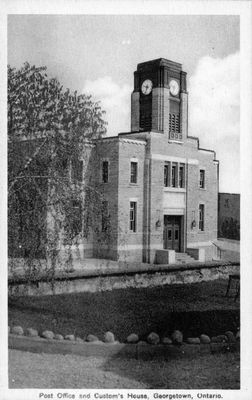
column 172, row 232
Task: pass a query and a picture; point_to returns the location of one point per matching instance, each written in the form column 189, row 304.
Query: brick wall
column 229, row 216
column 130, row 244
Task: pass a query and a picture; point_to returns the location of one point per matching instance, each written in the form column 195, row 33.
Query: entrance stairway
column 184, row 258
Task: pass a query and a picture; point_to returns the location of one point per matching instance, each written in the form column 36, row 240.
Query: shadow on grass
column 180, row 368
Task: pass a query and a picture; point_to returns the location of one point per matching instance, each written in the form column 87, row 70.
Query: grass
column 71, row 371
column 193, row 308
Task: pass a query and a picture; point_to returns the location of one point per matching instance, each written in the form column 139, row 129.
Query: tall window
column 133, row 210
column 73, row 220
column 105, row 166
column 181, row 176
column 202, row 178
column 167, row 174
column 173, row 177
column 133, row 172
column 105, row 216
column 174, row 174
column 201, row 217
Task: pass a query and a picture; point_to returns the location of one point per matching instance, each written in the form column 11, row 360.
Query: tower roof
column 158, row 62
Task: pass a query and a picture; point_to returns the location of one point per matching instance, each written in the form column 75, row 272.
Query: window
column 105, row 216
column 133, row 206
column 105, row 166
column 73, row 224
column 173, row 177
column 181, row 176
column 77, row 170
column 133, row 172
column 226, row 204
column 201, row 217
column 174, row 126
column 202, row 178
column 167, row 174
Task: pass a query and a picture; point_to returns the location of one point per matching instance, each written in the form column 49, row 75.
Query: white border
column 242, row 8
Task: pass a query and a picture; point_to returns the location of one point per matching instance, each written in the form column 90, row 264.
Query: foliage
column 48, row 162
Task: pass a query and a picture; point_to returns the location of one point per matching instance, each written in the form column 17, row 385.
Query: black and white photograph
column 126, row 226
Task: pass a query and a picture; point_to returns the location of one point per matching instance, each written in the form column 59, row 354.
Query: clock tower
column 159, row 100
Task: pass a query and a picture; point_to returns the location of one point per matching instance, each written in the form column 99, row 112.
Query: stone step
column 183, row 258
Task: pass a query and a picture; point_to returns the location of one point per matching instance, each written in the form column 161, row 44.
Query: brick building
column 160, row 188
column 229, row 216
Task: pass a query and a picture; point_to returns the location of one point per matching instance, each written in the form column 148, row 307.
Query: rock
column 70, row 337
column 195, row 340
column 31, row 332
column 142, row 343
column 48, row 335
column 219, row 339
column 109, row 337
column 205, row 339
column 91, row 338
column 58, row 337
column 17, row 330
column 177, row 337
column 230, row 336
column 153, row 338
column 166, row 340
column 237, row 335
column 79, row 340
column 132, row 338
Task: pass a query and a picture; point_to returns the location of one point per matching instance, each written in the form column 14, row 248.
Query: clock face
column 174, row 87
column 146, row 86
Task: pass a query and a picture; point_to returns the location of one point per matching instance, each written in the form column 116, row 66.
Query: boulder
column 109, row 337
column 205, row 339
column 153, row 338
column 142, row 343
column 91, row 338
column 177, row 337
column 70, row 337
column 193, row 340
column 132, row 338
column 166, row 340
column 219, row 339
column 47, row 334
column 17, row 330
column 58, row 337
column 31, row 332
column 230, row 336
column 79, row 340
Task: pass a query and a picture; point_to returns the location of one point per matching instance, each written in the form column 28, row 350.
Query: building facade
column 159, row 187
column 146, row 194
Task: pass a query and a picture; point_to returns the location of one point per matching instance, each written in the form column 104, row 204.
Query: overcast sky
column 98, row 55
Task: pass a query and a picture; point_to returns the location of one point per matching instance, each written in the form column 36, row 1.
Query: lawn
column 193, row 308
column 212, row 371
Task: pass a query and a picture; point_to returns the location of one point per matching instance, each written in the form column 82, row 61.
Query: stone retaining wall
column 150, row 278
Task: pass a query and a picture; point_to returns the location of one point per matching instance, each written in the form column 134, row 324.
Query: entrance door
column 172, row 232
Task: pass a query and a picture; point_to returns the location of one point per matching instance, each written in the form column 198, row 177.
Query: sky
column 97, row 55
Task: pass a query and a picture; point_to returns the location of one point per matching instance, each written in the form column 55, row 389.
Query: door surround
column 173, row 232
